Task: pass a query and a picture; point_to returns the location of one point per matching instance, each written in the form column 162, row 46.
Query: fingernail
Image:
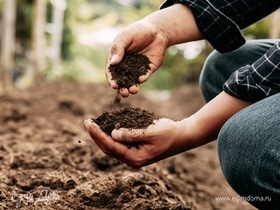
column 114, row 59
column 117, row 134
column 88, row 122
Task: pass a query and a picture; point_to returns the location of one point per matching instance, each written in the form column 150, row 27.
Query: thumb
column 117, row 51
column 117, row 134
column 115, row 59
column 128, row 136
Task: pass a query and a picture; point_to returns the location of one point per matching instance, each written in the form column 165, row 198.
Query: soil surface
column 43, row 165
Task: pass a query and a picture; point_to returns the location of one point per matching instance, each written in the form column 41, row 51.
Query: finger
column 129, row 136
column 134, row 89
column 109, row 146
column 115, row 59
column 105, row 142
column 124, row 92
column 108, row 74
column 114, row 56
column 118, row 49
column 111, row 82
column 145, row 77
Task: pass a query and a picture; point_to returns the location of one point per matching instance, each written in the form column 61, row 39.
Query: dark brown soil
column 127, row 72
column 44, row 167
column 127, row 117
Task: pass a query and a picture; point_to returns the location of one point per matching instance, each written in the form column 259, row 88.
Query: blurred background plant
column 46, row 40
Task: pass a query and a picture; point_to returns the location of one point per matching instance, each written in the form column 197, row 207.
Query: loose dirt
column 43, row 166
column 127, row 117
column 127, row 72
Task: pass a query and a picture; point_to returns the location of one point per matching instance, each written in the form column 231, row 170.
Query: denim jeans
column 249, row 142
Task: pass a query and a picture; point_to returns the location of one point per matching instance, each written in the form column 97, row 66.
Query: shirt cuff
column 259, row 80
column 245, row 85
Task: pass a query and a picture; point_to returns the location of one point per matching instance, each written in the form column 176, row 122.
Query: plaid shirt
column 220, row 22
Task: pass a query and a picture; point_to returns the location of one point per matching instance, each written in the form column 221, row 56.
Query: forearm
column 176, row 23
column 204, row 125
column 220, row 21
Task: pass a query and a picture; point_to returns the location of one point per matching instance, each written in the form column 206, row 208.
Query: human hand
column 151, row 36
column 140, row 147
column 140, row 37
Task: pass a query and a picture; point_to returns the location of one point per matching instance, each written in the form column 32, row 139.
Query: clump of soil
column 127, row 72
column 127, row 117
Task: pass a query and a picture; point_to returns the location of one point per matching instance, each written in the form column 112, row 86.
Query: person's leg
column 218, row 67
column 249, row 142
column 249, row 153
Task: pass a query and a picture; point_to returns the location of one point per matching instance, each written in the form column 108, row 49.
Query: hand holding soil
column 125, row 75
column 139, row 147
column 141, row 38
column 133, row 135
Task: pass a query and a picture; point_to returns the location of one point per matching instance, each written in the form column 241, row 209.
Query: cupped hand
column 140, row 147
column 140, row 37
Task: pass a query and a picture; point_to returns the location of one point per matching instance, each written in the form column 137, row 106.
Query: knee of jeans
column 210, row 65
column 228, row 153
column 250, row 168
column 234, row 150
column 208, row 75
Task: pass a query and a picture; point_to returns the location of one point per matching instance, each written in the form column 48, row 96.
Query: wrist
column 171, row 23
column 186, row 136
column 191, row 133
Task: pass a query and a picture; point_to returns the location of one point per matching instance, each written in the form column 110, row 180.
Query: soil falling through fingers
column 126, row 74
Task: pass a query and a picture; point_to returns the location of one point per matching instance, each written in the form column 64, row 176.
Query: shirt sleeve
column 257, row 81
column 220, row 21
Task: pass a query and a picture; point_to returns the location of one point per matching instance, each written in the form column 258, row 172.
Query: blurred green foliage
column 87, row 62
column 258, row 30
